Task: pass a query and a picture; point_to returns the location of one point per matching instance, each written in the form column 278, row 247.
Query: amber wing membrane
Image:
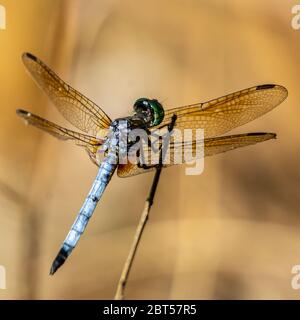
column 91, row 144
column 75, row 107
column 211, row 147
column 221, row 115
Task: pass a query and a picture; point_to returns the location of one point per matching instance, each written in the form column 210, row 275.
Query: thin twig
column 143, row 220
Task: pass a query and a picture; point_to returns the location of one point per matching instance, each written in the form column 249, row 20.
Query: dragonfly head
column 150, row 109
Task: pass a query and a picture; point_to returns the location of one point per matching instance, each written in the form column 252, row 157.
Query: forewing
column 212, row 146
column 75, row 107
column 221, row 115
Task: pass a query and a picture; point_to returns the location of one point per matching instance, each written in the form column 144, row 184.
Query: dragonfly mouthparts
column 59, row 261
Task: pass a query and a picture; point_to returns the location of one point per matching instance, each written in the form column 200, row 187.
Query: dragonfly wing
column 218, row 145
column 75, row 107
column 221, row 115
column 187, row 150
column 91, row 144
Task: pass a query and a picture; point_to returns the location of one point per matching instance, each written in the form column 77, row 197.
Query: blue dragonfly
column 102, row 136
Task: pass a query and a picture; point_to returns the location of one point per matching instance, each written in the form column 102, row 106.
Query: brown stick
column 143, row 220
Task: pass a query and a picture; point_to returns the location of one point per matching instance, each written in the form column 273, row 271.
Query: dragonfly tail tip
column 55, row 265
column 58, row 261
column 52, row 270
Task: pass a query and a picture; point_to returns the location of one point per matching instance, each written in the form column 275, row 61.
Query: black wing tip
column 268, row 135
column 29, row 56
column 271, row 86
column 282, row 89
column 23, row 113
column 265, row 86
column 59, row 261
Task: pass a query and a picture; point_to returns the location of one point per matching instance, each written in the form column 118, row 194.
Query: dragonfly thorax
column 117, row 139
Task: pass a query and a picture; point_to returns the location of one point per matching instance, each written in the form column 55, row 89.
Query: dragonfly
column 101, row 136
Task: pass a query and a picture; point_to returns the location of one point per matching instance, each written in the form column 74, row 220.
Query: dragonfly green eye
column 151, row 108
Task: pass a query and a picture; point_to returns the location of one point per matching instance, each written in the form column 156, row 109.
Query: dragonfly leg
column 160, row 148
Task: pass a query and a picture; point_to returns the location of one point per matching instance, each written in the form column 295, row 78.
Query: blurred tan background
column 233, row 232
